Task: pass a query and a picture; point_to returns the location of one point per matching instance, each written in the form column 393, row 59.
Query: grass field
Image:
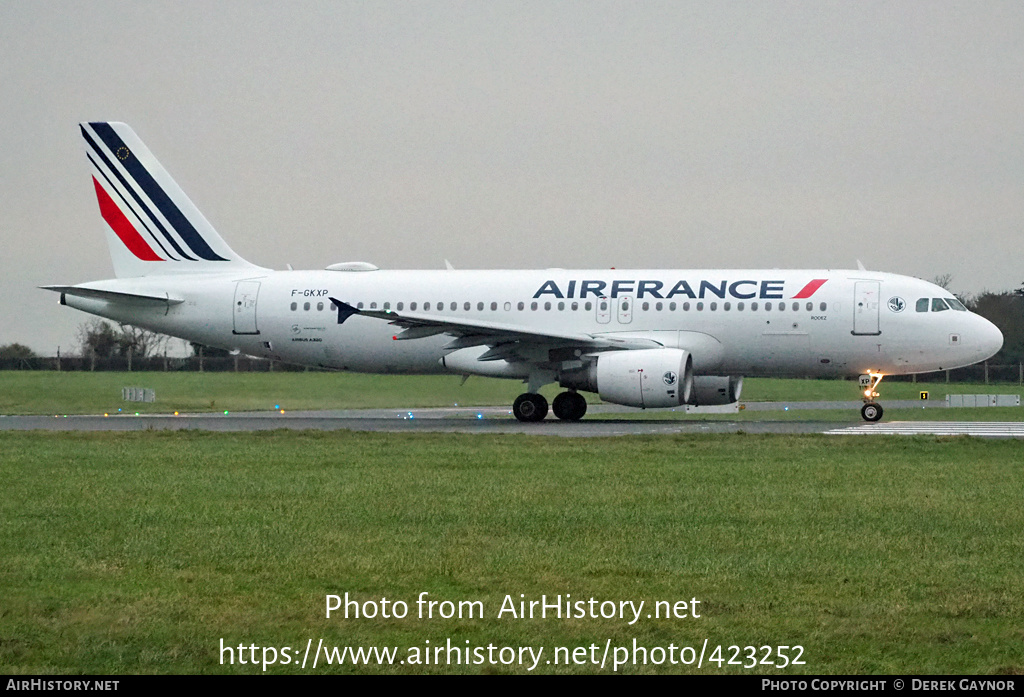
column 47, row 392
column 139, row 552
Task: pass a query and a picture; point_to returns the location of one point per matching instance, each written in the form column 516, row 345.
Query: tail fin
column 152, row 226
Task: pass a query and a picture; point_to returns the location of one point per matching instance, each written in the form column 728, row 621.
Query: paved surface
column 616, row 421
column 453, row 420
column 983, row 429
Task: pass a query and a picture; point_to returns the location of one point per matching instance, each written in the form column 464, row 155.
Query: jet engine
column 646, row 378
column 712, row 389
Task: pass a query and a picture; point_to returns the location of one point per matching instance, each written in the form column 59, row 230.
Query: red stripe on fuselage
column 810, row 289
column 122, row 227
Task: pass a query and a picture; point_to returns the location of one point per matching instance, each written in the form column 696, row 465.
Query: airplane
column 641, row 338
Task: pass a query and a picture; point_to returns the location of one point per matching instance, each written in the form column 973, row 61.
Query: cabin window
column 387, row 306
column 672, row 306
column 727, row 306
column 400, row 306
column 521, row 305
column 714, row 306
column 700, row 306
column 494, row 306
column 647, row 306
column 822, row 307
column 575, row 306
column 588, row 306
column 533, row 306
column 658, row 306
column 767, row 307
column 412, row 307
column 753, row 307
column 686, row 307
column 295, row 306
column 547, row 306
column 320, row 307
column 810, row 306
column 373, row 305
column 561, row 306
column 305, row 306
column 739, row 307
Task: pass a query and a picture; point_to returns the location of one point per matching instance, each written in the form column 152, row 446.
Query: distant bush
column 16, row 352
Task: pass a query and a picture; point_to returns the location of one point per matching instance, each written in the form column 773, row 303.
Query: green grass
column 137, row 553
column 46, row 392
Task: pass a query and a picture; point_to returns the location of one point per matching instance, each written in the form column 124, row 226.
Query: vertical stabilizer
column 152, row 226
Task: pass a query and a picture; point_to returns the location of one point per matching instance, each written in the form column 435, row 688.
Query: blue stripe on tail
column 155, row 193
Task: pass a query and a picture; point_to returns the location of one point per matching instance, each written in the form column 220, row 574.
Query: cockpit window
column 922, row 305
column 938, row 305
column 956, row 304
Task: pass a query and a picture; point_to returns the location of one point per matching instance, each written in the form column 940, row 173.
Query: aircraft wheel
column 871, row 411
column 569, row 406
column 530, row 407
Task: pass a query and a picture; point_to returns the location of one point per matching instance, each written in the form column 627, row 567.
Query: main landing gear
column 872, row 410
column 568, row 406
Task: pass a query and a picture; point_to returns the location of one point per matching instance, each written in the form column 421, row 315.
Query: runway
column 980, row 429
column 609, row 421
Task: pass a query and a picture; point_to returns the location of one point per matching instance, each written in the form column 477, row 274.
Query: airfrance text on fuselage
column 741, row 290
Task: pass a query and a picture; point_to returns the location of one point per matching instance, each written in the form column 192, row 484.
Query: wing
column 506, row 341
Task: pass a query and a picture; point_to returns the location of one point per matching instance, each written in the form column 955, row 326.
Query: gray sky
column 524, row 135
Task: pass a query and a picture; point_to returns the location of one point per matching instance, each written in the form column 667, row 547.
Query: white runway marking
column 981, row 429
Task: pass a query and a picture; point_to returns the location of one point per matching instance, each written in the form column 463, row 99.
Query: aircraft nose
column 990, row 339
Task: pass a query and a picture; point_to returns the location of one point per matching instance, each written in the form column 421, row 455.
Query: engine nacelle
column 712, row 389
column 646, row 378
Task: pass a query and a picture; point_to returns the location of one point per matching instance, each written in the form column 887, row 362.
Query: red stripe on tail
column 122, row 227
column 810, row 289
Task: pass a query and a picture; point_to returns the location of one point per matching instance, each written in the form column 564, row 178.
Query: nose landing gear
column 872, row 410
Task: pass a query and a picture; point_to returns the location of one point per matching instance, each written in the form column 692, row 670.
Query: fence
column 237, row 364
column 982, row 374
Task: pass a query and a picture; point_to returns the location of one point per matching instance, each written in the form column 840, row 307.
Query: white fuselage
column 733, row 322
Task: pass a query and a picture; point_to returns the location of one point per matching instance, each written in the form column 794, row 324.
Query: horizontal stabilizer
column 117, row 296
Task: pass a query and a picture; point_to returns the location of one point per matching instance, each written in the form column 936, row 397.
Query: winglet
column 344, row 310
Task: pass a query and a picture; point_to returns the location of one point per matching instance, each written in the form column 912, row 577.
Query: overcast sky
column 523, row 135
